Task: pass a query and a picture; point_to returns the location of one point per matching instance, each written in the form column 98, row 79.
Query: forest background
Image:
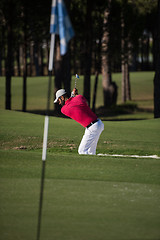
column 110, row 36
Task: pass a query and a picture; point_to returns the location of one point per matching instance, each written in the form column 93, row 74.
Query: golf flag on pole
column 60, row 24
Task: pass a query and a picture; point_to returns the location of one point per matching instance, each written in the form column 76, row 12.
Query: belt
column 92, row 123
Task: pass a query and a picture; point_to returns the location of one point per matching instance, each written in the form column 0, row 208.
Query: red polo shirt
column 78, row 109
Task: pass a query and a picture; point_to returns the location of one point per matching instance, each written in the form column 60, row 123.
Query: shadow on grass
column 123, row 112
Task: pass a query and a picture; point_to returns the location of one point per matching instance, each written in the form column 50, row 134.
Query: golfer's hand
column 75, row 91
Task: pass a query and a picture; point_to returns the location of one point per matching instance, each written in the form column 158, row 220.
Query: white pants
column 90, row 138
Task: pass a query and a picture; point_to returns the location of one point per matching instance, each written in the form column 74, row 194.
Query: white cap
column 59, row 93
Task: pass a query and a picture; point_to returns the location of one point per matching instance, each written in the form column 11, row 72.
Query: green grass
column 85, row 197
column 141, row 93
column 129, row 137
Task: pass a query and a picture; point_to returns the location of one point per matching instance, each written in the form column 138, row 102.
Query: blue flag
column 60, row 24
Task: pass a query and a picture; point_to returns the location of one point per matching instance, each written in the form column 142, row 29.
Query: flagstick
column 45, row 136
column 51, row 54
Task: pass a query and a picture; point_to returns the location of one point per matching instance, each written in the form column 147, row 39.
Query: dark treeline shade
column 25, row 41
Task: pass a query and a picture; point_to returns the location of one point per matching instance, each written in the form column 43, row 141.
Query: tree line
column 110, row 36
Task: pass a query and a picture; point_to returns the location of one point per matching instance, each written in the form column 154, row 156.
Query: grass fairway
column 85, row 197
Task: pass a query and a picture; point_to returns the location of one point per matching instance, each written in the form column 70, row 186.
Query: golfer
column 76, row 108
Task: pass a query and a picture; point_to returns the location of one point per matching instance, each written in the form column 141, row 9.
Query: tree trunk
column 106, row 72
column 25, row 79
column 2, row 32
column 31, row 59
column 9, row 57
column 25, row 62
column 109, row 88
column 124, row 98
column 35, row 53
column 42, row 60
column 21, row 58
column 142, row 54
column 57, row 67
column 123, row 68
column 58, row 72
column 95, row 92
column 157, row 73
column 67, row 71
column 126, row 88
column 88, row 51
column 18, row 62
